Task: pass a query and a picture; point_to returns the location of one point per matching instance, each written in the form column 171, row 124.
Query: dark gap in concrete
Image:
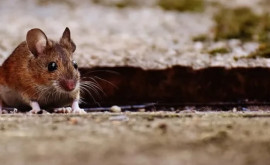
column 178, row 85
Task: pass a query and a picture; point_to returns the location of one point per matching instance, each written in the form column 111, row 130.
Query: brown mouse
column 41, row 73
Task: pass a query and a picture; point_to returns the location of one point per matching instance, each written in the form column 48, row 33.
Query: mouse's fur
column 25, row 78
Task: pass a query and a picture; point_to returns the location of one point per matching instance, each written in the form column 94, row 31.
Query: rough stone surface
column 144, row 36
column 145, row 138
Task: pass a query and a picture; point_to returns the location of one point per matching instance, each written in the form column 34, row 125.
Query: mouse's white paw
column 34, row 111
column 37, row 111
column 76, row 108
column 36, row 108
column 63, row 110
column 78, row 111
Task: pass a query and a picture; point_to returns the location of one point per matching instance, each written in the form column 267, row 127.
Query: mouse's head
column 52, row 62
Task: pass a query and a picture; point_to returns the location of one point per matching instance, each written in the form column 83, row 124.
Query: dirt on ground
column 201, row 138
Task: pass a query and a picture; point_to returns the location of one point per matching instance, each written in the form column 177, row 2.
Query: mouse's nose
column 68, row 85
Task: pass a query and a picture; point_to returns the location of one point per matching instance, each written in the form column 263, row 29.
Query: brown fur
column 26, row 71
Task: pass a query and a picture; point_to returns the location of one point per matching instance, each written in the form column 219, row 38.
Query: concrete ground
column 201, row 138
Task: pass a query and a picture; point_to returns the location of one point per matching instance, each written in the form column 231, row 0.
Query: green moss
column 235, row 58
column 118, row 3
column 242, row 23
column 219, row 51
column 201, row 38
column 182, row 5
column 179, row 5
column 122, row 4
column 262, row 51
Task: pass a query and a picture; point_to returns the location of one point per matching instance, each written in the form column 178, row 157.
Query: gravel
column 144, row 36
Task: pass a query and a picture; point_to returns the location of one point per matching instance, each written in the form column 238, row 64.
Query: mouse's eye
column 52, row 66
column 75, row 64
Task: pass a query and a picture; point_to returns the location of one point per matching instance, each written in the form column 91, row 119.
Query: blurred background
column 149, row 34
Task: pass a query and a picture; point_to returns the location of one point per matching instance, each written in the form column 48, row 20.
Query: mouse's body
column 41, row 73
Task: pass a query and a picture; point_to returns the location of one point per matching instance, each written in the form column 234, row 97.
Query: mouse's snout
column 68, row 85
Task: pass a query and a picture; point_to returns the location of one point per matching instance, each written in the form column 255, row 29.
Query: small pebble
column 116, row 108
column 73, row 121
column 141, row 110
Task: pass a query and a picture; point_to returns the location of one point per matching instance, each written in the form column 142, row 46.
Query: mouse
column 41, row 74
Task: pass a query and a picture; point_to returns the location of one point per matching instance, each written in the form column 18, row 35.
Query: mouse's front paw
column 78, row 111
column 35, row 111
column 63, row 110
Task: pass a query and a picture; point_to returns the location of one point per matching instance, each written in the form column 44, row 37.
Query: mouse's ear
column 66, row 40
column 36, row 41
